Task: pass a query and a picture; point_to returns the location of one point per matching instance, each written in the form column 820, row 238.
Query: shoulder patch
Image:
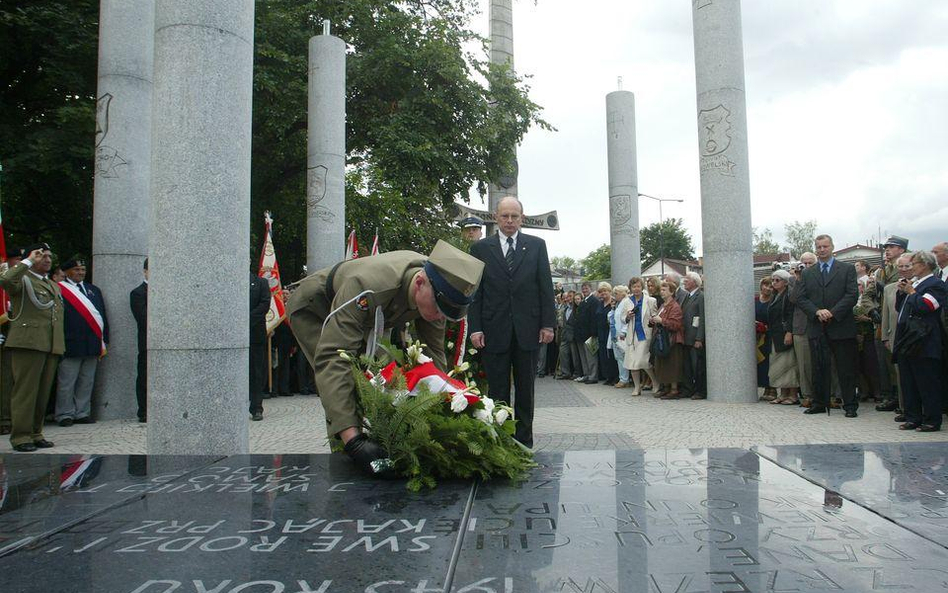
column 363, row 303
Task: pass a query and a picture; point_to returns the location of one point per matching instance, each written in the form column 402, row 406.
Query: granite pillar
column 502, row 52
column 121, row 203
column 623, row 187
column 326, row 153
column 198, row 309
column 725, row 201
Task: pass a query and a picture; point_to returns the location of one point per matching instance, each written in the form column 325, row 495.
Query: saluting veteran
column 334, row 309
column 35, row 342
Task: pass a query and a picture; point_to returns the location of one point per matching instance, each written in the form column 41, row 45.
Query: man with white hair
column 940, row 252
column 675, row 278
column 692, row 313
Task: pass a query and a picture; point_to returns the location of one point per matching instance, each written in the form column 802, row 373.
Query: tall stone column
column 198, row 295
column 122, row 175
column 623, row 187
column 502, row 52
column 326, row 152
column 725, row 201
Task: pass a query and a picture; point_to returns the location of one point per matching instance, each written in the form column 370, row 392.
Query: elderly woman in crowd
column 918, row 344
column 761, row 306
column 668, row 369
column 638, row 336
column 609, row 373
column 782, row 370
column 619, row 324
column 865, row 311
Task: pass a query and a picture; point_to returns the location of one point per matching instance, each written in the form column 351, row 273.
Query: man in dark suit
column 259, row 305
column 512, row 311
column 138, row 300
column 583, row 329
column 87, row 334
column 692, row 311
column 827, row 296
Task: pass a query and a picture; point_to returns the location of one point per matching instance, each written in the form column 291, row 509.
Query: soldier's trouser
column 801, row 348
column 33, row 376
column 6, row 388
column 74, row 387
column 307, row 328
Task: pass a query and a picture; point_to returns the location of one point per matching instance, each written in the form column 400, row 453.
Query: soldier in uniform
column 471, row 229
column 335, row 309
column 35, row 342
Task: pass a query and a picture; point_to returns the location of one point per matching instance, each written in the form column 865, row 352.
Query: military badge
column 363, row 303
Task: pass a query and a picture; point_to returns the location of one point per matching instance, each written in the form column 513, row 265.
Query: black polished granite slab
column 716, row 520
column 253, row 523
column 40, row 494
column 904, row 482
column 603, row 521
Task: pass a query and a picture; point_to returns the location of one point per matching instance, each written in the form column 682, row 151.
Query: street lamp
column 661, row 226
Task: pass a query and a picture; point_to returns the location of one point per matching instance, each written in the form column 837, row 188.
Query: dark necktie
column 510, row 253
column 82, row 289
column 825, row 268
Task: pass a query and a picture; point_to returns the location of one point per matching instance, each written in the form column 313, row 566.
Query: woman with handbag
column 666, row 324
column 782, row 372
column 638, row 335
column 918, row 344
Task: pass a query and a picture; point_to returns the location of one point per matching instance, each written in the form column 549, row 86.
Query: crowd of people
column 830, row 334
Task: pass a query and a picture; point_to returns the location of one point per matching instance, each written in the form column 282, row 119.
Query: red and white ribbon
column 86, row 310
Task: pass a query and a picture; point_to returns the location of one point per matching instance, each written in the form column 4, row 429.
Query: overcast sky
column 846, row 103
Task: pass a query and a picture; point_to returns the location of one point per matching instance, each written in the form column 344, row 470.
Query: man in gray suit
column 692, row 321
column 827, row 295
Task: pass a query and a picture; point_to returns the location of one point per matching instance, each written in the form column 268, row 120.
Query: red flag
column 352, row 249
column 270, row 271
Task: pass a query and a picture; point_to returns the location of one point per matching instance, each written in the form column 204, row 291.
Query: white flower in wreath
column 484, row 416
column 472, row 351
column 501, row 416
column 415, row 356
column 458, row 403
column 488, row 404
column 399, row 397
column 450, row 346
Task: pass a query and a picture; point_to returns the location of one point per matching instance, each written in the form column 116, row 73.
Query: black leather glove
column 370, row 456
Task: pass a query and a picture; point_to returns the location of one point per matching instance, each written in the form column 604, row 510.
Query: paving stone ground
column 569, row 416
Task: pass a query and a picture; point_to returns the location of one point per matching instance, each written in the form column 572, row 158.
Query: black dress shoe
column 928, row 428
column 86, row 420
column 257, row 416
column 590, row 381
column 65, row 422
column 908, row 426
column 25, row 447
column 899, row 418
column 887, row 406
column 143, row 419
column 814, row 410
column 851, row 413
column 43, row 444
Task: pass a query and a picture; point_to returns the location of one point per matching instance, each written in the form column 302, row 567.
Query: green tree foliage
column 800, row 236
column 426, row 119
column 677, row 241
column 598, row 264
column 764, row 243
column 48, row 59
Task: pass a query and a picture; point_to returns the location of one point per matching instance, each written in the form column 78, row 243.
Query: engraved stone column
column 198, row 295
column 623, row 187
column 326, row 153
column 502, row 52
column 725, row 201
column 122, row 175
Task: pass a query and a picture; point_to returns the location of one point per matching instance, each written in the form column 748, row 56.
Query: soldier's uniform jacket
column 32, row 328
column 389, row 277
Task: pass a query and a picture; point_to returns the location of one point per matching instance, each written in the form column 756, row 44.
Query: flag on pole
column 270, row 271
column 375, row 243
column 352, row 248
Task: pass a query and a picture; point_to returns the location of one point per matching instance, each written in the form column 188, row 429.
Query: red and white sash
column 86, row 309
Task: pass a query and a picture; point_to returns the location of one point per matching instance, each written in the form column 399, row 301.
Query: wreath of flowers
column 433, row 425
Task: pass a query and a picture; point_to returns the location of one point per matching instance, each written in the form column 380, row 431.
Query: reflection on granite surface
column 712, row 520
column 904, row 482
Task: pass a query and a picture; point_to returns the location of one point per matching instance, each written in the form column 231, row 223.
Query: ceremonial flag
column 270, row 271
column 352, row 248
column 375, row 243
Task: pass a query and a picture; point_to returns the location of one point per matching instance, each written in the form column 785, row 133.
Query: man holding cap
column 87, row 334
column 335, row 309
column 471, row 228
column 35, row 342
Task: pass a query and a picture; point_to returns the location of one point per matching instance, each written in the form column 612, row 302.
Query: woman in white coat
column 623, row 304
column 638, row 337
